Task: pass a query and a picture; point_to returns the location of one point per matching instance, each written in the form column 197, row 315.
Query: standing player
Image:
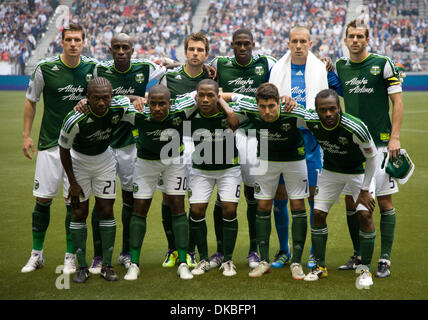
column 242, row 74
column 368, row 82
column 128, row 77
column 285, row 155
column 90, row 167
column 63, row 80
column 349, row 159
column 181, row 80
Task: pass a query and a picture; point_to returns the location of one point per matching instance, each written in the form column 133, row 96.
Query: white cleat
column 35, row 262
column 262, row 268
column 364, row 280
column 184, row 272
column 96, row 265
column 202, row 267
column 297, row 271
column 229, row 269
column 69, row 263
column 133, row 272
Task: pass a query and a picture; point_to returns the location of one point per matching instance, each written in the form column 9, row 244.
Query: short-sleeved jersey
column 346, row 146
column 233, row 77
column 130, row 82
column 149, row 143
column 62, row 87
column 285, row 142
column 91, row 134
column 366, row 86
column 179, row 82
column 218, row 145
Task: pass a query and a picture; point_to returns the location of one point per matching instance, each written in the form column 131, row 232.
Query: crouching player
column 349, row 159
column 90, row 166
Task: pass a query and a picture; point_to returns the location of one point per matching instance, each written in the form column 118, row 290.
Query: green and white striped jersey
column 62, row 87
column 346, row 146
column 91, row 134
column 366, row 86
column 130, row 82
column 284, row 139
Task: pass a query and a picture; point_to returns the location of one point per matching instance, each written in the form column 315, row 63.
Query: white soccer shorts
column 125, row 159
column 202, row 182
column 95, row 174
column 146, row 177
column 295, row 176
column 330, row 186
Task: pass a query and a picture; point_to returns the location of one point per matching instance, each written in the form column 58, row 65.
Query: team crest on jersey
column 115, row 119
column 343, row 140
column 286, row 127
column 139, row 77
column 88, row 77
column 177, row 121
column 259, row 70
column 135, row 187
column 375, row 70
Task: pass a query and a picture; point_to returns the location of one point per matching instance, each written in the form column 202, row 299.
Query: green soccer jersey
column 62, row 87
column 215, row 147
column 150, row 142
column 233, row 77
column 130, row 82
column 179, row 82
column 366, row 86
column 284, row 139
column 346, row 146
column 91, row 134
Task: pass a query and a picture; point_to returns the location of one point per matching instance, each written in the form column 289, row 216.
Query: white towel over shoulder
column 315, row 77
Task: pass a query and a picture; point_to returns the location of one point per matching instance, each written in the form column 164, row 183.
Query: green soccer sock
column 68, row 239
column 299, row 228
column 167, row 225
column 96, row 237
column 180, row 229
column 192, row 243
column 354, row 229
column 108, row 234
column 126, row 221
column 40, row 222
column 199, row 230
column 218, row 225
column 387, row 229
column 263, row 230
column 79, row 234
column 319, row 235
column 137, row 231
column 251, row 218
column 367, row 242
column 230, row 232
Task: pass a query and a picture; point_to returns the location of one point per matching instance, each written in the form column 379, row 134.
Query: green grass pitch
column 408, row 281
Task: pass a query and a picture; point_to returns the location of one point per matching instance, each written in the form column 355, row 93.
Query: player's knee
column 176, row 203
column 141, row 207
column 385, row 202
column 197, row 211
column 320, row 218
column 229, row 211
column 44, row 201
column 366, row 220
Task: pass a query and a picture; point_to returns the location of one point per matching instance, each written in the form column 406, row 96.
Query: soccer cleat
column 108, row 273
column 317, row 273
column 228, row 268
column 191, row 259
column 281, row 259
column 202, row 267
column 311, row 262
column 383, row 269
column 82, row 274
column 133, row 272
column 35, row 262
column 297, row 271
column 69, row 263
column 170, row 259
column 96, row 265
column 184, row 272
column 262, row 268
column 125, row 259
column 216, row 260
column 253, row 259
column 364, row 280
column 351, row 264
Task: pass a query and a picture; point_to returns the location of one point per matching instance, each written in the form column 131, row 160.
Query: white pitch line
column 415, row 130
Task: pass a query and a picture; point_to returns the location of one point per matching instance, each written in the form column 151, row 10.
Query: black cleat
column 352, row 264
column 82, row 274
column 108, row 273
